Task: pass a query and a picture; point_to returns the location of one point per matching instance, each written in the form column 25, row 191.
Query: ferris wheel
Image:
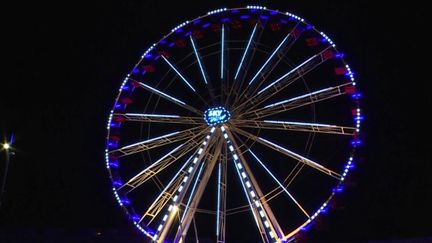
column 239, row 125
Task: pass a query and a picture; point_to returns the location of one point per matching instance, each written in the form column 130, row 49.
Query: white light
column 200, row 151
column 257, row 204
column 248, row 184
column 239, row 165
column 170, row 208
column 151, row 115
column 190, row 169
column 235, row 156
column 271, row 234
column 218, row 199
column 165, row 217
column 243, row 175
column 198, row 59
column 268, row 60
column 160, row 227
column 231, row 148
column 245, row 52
column 298, row 123
column 192, row 192
column 161, row 93
column 185, row 179
column 178, row 73
column 6, row 146
column 208, row 137
column 180, row 188
column 261, row 213
column 175, row 198
column 223, row 128
column 225, row 135
column 204, row 143
column 212, row 130
column 195, row 160
column 266, row 223
column 222, row 52
column 284, row 76
column 252, row 193
column 299, row 97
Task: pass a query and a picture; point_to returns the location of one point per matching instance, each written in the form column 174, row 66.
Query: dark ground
column 63, row 63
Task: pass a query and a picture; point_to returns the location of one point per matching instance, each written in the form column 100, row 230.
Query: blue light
column 216, row 115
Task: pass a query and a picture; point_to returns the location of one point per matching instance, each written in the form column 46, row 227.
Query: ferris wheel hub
column 216, row 115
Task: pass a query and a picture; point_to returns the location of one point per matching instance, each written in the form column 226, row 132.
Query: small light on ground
column 6, row 146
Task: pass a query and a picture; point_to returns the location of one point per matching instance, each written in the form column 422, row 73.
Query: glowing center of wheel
column 216, row 115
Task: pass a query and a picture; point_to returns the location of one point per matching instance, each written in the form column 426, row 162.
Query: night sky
column 63, row 65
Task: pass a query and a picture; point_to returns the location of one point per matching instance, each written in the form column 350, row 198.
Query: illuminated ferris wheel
column 239, row 125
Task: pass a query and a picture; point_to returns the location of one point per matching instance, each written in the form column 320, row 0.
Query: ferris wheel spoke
column 296, row 126
column 158, row 118
column 221, row 196
column 197, row 55
column 158, row 141
column 179, row 195
column 289, row 153
column 197, row 192
column 299, row 101
column 265, row 220
column 245, row 51
column 168, row 97
column 285, row 42
column 179, row 74
column 222, row 61
column 280, row 184
column 285, row 80
column 162, row 163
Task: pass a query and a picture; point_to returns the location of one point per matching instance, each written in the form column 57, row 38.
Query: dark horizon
column 64, row 68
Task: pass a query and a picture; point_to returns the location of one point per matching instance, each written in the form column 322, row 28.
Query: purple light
column 206, row 25
column 356, row 96
column 163, row 41
column 235, row 11
column 179, row 30
column 338, row 189
column 356, row 142
column 148, row 56
column 171, row 44
column 339, row 55
column 117, row 183
column 273, row 12
column 291, row 18
column 244, row 16
column 264, row 17
column 323, row 39
column 135, row 70
column 135, row 218
column 125, row 201
column 187, row 34
column 225, row 20
column 114, row 164
column 115, row 124
column 309, row 27
column 112, row 144
column 197, row 21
